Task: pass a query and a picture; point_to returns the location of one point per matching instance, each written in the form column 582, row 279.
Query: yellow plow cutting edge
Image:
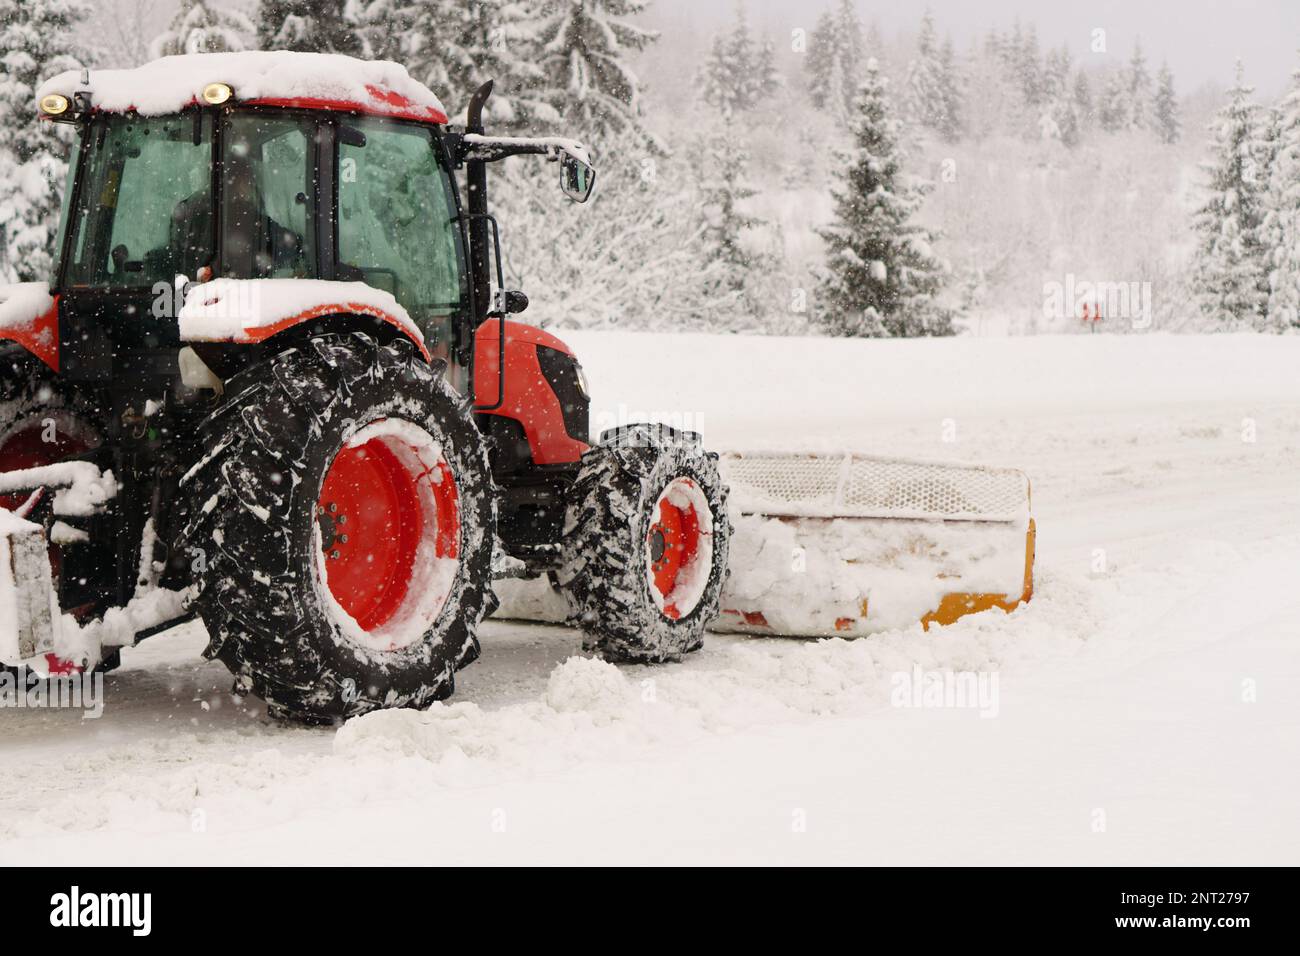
column 847, row 544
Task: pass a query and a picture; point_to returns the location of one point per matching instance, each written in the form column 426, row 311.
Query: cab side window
column 397, row 229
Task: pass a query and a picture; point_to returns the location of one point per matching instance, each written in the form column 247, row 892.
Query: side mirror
column 576, row 178
column 507, row 302
column 516, row 302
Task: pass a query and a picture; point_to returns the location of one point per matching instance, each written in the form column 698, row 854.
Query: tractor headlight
column 54, row 105
column 563, row 373
column 214, row 94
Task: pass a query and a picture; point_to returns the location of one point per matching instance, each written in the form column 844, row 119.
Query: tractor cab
column 240, row 179
column 260, row 193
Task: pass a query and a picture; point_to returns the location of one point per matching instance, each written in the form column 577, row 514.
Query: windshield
column 144, row 208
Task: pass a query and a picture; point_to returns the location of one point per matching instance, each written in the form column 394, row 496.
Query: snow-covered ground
column 1145, row 701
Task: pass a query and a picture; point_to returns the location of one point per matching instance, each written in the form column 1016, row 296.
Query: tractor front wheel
column 340, row 523
column 645, row 544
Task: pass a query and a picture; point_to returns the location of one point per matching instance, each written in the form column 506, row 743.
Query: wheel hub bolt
column 657, row 544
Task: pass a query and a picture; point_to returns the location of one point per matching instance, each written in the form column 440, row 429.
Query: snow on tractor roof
column 277, row 78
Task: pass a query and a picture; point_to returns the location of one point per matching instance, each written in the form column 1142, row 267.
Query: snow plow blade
column 845, row 545
column 30, row 620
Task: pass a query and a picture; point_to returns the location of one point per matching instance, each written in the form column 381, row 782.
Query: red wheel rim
column 387, row 510
column 673, row 545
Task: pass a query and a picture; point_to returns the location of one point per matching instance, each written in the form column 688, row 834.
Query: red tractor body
column 273, row 325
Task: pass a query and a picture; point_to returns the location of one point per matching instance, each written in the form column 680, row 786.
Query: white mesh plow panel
column 863, row 486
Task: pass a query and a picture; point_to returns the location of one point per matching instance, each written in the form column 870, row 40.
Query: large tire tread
column 244, row 502
column 603, row 574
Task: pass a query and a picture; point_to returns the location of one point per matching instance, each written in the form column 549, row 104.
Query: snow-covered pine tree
column 1139, row 89
column 37, row 37
column 1164, row 108
column 839, row 91
column 1083, row 105
column 1270, row 238
column 1021, row 61
column 1113, row 103
column 730, row 78
column 767, row 79
column 952, row 84
column 835, row 58
column 731, row 235
column 387, row 28
column 586, row 46
column 1028, row 66
column 310, row 26
column 881, row 276
column 1282, row 222
column 818, row 59
column 1009, row 47
column 201, row 26
column 927, row 100
column 852, row 46
column 1058, row 118
column 717, row 77
column 743, row 59
column 1233, row 267
column 994, row 43
column 989, row 101
column 454, row 47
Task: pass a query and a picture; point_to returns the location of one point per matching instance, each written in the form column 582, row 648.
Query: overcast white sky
column 1200, row 38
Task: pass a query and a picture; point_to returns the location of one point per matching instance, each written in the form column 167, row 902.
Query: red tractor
column 272, row 383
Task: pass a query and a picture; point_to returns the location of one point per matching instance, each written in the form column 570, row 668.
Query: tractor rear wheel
column 645, row 544
column 340, row 523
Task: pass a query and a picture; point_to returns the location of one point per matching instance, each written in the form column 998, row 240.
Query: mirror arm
column 490, row 149
column 474, row 148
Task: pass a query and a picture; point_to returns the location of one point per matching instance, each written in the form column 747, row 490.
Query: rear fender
column 29, row 316
column 251, row 311
column 334, row 317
